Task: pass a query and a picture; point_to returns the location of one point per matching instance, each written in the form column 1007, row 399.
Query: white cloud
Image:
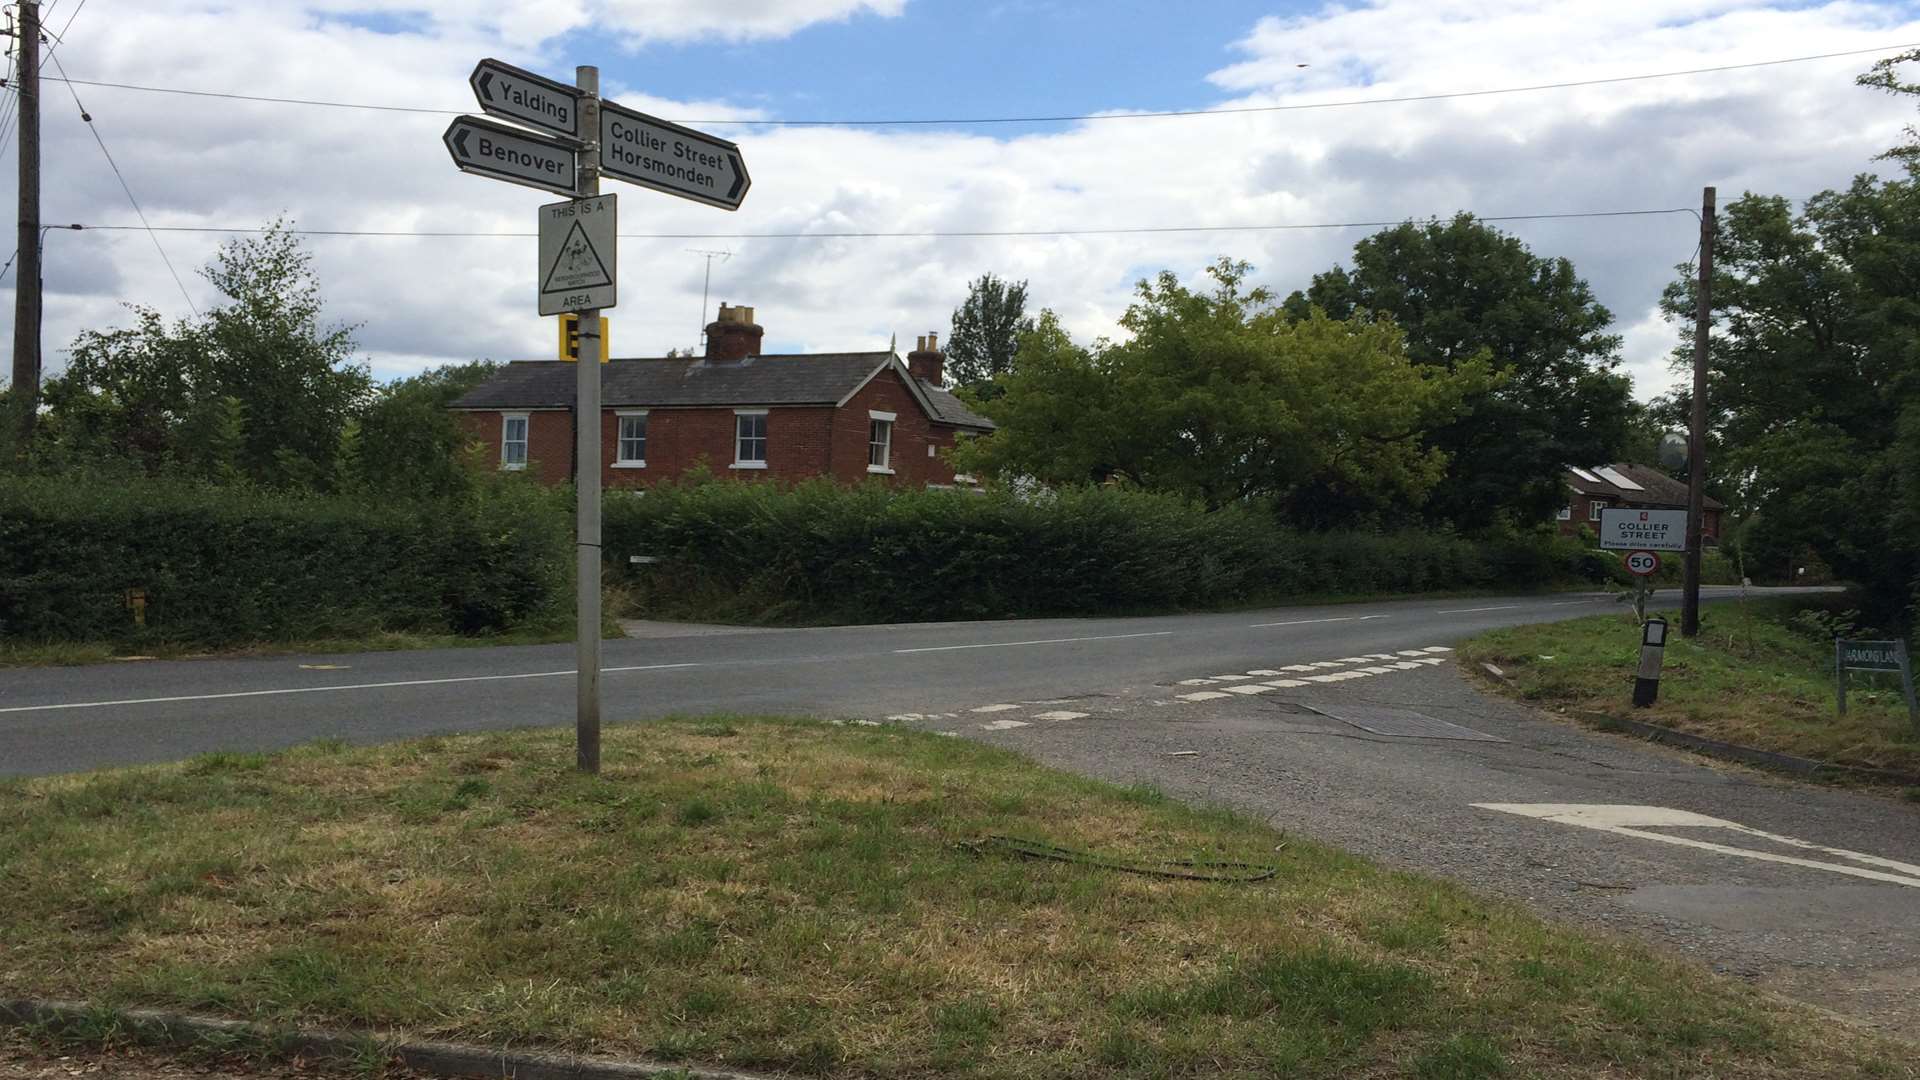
column 1791, row 129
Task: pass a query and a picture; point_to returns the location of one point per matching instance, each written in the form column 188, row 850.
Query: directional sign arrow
column 505, row 90
column 518, row 157
column 664, row 156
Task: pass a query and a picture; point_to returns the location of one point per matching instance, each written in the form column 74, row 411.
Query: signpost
column 1630, row 529
column 666, row 157
column 505, row 90
column 578, row 269
column 1643, row 563
column 1874, row 656
column 518, row 157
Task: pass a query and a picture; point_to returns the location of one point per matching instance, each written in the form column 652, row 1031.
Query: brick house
column 851, row 416
column 1592, row 490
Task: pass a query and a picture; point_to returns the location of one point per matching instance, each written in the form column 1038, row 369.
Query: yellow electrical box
column 570, row 338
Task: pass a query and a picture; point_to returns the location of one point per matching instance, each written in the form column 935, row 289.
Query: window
column 632, row 451
column 1565, row 513
column 750, row 438
column 513, row 440
column 1594, row 508
column 879, row 442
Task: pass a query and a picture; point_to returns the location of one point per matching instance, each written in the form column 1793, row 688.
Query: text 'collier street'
column 519, row 157
column 666, row 157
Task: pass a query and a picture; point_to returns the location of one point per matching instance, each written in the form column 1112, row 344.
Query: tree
column 1462, row 290
column 256, row 382
column 1885, row 75
column 1220, row 398
column 986, row 334
column 406, row 442
column 1814, row 376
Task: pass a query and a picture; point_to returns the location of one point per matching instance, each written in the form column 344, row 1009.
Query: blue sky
column 212, row 163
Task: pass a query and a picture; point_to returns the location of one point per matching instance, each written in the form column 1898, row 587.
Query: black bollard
column 1653, row 650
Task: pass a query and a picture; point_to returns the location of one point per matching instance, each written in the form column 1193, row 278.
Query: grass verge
column 1750, row 678
column 800, row 897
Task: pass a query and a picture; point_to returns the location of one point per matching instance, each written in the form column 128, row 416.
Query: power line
column 877, row 235
column 1063, row 118
column 141, row 214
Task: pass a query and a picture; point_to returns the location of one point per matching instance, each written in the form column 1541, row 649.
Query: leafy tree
column 255, row 388
column 1814, row 376
column 1461, row 291
column 986, row 334
column 406, row 442
column 1885, row 75
column 1220, row 398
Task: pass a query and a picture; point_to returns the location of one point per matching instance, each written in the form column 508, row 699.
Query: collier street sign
column 505, row 90
column 577, row 255
column 1631, row 529
column 519, row 157
column 667, row 157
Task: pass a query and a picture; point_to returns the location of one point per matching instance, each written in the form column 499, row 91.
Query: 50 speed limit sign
column 1644, row 563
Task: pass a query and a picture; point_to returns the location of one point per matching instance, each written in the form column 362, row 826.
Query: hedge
column 230, row 566
column 820, row 552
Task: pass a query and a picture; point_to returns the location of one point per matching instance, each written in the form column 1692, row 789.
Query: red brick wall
column 802, row 441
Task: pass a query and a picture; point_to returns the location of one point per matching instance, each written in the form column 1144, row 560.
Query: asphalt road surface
column 1351, row 724
column 65, row 719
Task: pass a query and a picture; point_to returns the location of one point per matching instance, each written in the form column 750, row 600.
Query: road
column 65, row 719
column 1351, row 724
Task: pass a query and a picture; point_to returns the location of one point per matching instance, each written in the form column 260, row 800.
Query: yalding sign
column 653, row 153
column 1632, row 529
column 578, row 254
column 505, row 90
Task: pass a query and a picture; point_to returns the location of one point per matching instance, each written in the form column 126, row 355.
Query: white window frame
column 525, row 441
column 765, row 431
column 1565, row 513
column 1594, row 508
column 886, row 447
column 620, row 418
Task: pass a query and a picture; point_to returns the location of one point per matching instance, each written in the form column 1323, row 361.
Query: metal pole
column 1697, row 471
column 1840, row 676
column 26, row 294
column 587, row 453
column 1906, row 682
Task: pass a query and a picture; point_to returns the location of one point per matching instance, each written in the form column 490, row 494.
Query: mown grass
column 1749, row 678
column 801, row 897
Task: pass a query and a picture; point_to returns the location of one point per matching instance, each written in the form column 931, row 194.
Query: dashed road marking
column 1469, row 610
column 1041, row 641
column 993, row 708
column 1002, row 725
column 1284, row 683
column 1436, row 648
column 1198, row 682
column 1263, row 672
column 1316, row 622
column 1634, row 821
column 1250, row 688
column 1204, row 695
column 1061, row 714
column 1230, row 678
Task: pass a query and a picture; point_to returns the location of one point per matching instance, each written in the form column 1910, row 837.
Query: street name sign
column 1643, row 563
column 654, row 153
column 579, row 244
column 505, row 90
column 1874, row 656
column 1632, row 529
column 485, row 148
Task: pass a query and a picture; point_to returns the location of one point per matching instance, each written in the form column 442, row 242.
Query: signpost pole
column 1840, row 675
column 1697, row 455
column 587, row 453
column 1906, row 682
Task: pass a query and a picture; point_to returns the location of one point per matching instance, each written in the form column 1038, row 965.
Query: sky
column 740, row 68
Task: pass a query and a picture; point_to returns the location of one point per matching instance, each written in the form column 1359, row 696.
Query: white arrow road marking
column 1635, row 820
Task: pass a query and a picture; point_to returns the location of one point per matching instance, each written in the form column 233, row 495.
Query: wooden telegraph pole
column 26, row 279
column 1697, row 442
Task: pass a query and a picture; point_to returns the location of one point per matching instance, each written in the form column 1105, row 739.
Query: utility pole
column 587, row 453
column 705, row 283
column 1697, row 450
column 26, row 287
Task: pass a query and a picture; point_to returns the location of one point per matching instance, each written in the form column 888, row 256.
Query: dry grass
column 1749, row 678
column 798, row 897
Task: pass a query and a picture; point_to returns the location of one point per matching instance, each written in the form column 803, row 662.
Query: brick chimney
column 733, row 335
column 926, row 362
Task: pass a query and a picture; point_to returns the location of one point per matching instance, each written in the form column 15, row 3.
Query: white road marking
column 1316, row 622
column 1431, row 660
column 1250, row 688
column 1635, row 820
column 993, row 708
column 1003, row 725
column 1062, row 715
column 1469, row 610
column 1231, row 678
column 1204, row 695
column 1407, row 665
column 1436, row 648
column 1197, row 682
column 1042, row 641
column 906, row 717
column 1379, row 670
column 329, row 689
column 1298, row 667
column 1284, row 683
column 1263, row 672
column 1355, row 659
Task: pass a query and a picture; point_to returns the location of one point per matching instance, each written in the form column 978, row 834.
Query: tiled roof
column 1659, row 489
column 666, row 382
